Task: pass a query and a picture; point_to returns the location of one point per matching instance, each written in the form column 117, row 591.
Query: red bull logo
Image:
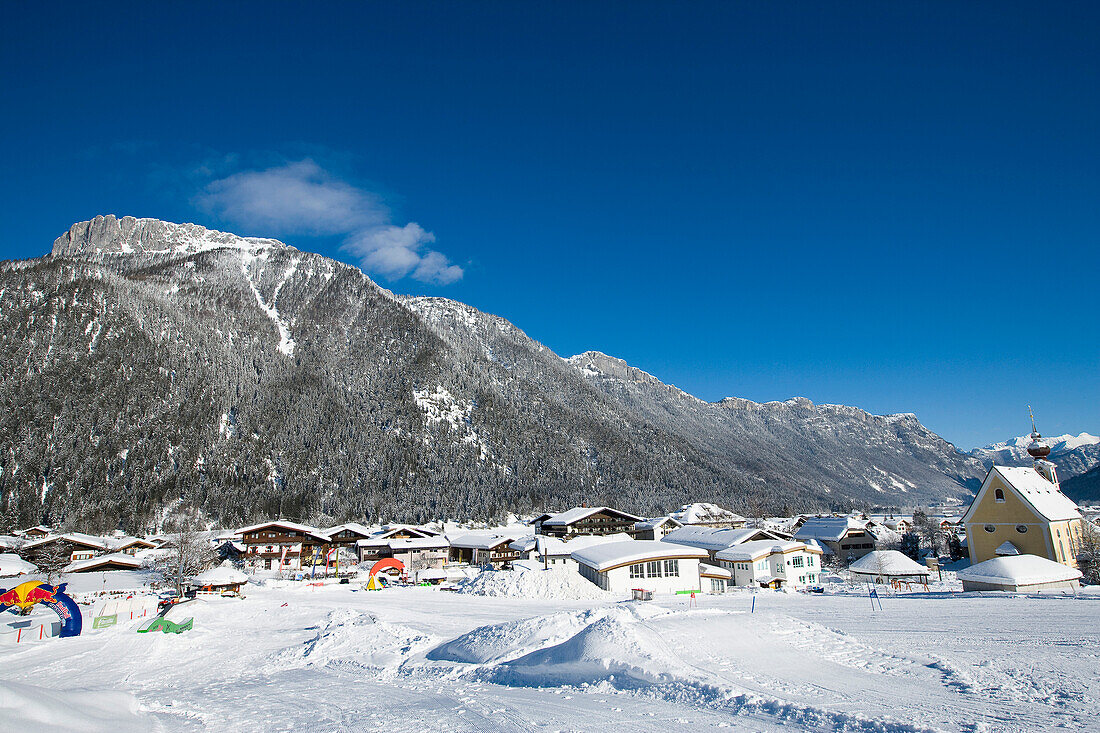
column 25, row 595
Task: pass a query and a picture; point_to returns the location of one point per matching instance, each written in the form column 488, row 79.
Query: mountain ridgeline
column 148, row 365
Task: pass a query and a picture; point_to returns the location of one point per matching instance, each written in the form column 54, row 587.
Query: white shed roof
column 92, row 563
column 759, row 548
column 712, row 571
column 1019, row 570
column 12, row 564
column 887, row 562
column 556, row 546
column 484, row 541
column 703, row 513
column 713, row 539
column 221, row 575
column 613, row 554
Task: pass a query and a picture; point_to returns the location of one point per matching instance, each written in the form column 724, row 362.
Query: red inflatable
column 389, row 562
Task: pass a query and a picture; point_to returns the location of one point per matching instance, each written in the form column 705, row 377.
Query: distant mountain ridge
column 1073, row 454
column 148, row 364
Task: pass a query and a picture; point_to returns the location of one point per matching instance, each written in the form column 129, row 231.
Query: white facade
column 655, row 566
column 789, row 564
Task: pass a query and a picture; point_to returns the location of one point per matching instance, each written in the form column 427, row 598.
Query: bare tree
column 190, row 553
column 1087, row 551
column 52, row 559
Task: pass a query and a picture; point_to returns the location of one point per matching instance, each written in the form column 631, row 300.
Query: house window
column 797, row 562
column 999, row 495
column 672, row 568
column 636, row 571
column 989, row 528
column 653, row 569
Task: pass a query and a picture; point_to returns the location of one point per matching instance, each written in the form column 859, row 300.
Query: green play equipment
column 168, row 627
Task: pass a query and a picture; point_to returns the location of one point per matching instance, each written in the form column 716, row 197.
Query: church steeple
column 1039, row 449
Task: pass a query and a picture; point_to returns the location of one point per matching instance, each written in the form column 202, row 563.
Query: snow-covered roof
column 582, row 512
column 11, row 542
column 1044, row 497
column 418, row 543
column 703, row 513
column 712, row 571
column 524, row 544
column 483, row 541
column 391, row 529
column 222, row 575
column 758, row 548
column 121, row 543
column 115, row 558
column 713, row 539
column 1006, row 548
column 887, row 562
column 12, row 564
column 286, row 525
column 359, row 529
column 658, row 522
column 614, row 554
column 1018, row 570
column 558, row 547
column 828, row 528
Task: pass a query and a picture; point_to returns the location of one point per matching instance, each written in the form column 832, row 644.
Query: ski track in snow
column 413, row 659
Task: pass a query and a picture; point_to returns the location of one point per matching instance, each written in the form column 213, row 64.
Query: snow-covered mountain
column 1074, row 454
column 146, row 364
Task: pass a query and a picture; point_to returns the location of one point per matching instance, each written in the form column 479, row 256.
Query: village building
column 589, row 520
column 35, row 533
column 558, row 551
column 847, row 538
column 113, row 561
column 12, row 564
column 1025, row 507
column 657, row 567
column 1020, row 573
column 655, row 529
column 714, row 579
column 282, row 545
column 708, row 515
column 771, row 564
column 129, row 545
column 713, row 539
column 888, row 567
column 223, row 579
column 420, row 553
column 377, row 545
column 74, row 545
column 347, row 535
column 477, row 548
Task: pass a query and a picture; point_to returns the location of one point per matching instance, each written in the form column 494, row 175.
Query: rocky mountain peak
column 128, row 235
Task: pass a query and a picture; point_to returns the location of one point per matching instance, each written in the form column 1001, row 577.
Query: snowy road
column 413, row 659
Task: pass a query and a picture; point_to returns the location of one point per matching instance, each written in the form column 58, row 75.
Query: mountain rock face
column 1084, row 488
column 147, row 364
column 1073, row 454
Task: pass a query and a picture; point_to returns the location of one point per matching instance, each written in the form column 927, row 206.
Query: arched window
column 999, row 495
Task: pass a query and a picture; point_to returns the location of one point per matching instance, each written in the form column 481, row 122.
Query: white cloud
column 302, row 198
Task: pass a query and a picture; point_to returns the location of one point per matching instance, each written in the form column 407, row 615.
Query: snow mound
column 616, row 648
column 29, row 707
column 350, row 637
column 527, row 582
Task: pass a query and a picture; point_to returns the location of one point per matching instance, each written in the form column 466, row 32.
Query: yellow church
column 1022, row 511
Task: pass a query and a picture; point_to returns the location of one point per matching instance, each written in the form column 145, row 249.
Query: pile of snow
column 12, row 564
column 348, row 636
column 30, row 707
column 532, row 581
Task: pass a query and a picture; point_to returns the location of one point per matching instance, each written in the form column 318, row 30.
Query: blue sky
column 871, row 204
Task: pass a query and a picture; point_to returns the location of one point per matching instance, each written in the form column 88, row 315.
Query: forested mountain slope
column 144, row 364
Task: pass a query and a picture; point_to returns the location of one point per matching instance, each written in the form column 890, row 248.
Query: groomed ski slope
column 412, row 659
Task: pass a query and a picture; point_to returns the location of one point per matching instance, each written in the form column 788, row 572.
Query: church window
column 999, row 495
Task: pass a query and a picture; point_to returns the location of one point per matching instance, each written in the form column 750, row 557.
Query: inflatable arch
column 387, row 564
column 25, row 595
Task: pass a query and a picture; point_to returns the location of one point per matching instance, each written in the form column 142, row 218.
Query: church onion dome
column 1038, row 448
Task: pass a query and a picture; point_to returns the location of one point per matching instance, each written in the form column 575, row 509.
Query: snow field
column 410, row 659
